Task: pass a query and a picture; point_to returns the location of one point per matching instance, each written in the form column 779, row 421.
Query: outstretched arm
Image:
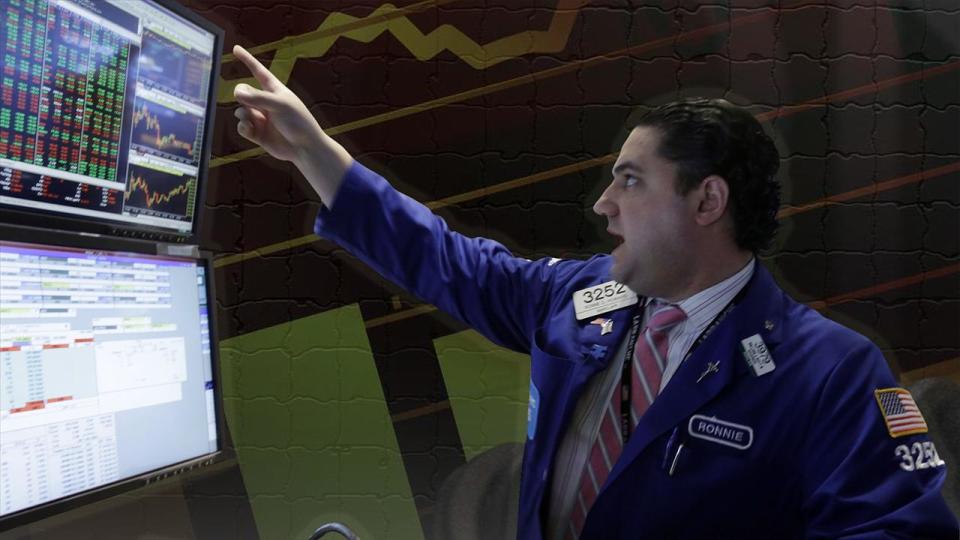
column 475, row 279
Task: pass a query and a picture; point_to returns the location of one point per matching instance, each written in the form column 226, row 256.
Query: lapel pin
column 597, row 351
column 606, row 325
column 712, row 367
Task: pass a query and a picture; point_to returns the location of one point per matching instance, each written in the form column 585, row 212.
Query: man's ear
column 713, row 196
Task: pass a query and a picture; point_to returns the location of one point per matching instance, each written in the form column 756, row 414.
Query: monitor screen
column 105, row 369
column 105, row 111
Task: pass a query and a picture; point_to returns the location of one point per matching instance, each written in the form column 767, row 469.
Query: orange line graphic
column 860, row 90
column 871, row 190
column 519, row 182
column 943, row 368
column 421, row 411
column 818, row 305
column 884, row 287
column 789, row 211
column 610, row 158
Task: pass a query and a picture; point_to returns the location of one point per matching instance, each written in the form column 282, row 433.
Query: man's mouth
column 617, row 239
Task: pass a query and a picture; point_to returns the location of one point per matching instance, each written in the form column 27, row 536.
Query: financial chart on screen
column 103, row 110
column 105, row 369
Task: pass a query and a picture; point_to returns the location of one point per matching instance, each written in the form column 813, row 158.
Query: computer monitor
column 107, row 374
column 106, row 110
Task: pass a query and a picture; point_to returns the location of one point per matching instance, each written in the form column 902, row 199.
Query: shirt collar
column 703, row 306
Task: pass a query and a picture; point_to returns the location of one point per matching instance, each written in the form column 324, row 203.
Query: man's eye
column 630, row 181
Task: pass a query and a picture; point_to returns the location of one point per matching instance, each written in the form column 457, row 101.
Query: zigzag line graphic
column 388, row 18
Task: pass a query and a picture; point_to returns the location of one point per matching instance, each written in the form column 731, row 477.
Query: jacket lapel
column 597, row 348
column 594, row 354
column 589, row 350
column 684, row 395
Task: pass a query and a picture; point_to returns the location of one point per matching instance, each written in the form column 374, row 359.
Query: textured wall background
column 348, row 399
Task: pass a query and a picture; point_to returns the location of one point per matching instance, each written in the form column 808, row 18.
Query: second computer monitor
column 106, row 372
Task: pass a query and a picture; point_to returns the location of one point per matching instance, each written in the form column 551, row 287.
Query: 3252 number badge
column 602, row 298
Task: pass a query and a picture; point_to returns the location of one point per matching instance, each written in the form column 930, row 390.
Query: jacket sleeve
column 476, row 280
column 860, row 481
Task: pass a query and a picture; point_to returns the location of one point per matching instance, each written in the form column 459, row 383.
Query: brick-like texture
column 869, row 175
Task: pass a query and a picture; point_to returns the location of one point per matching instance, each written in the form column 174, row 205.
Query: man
column 676, row 391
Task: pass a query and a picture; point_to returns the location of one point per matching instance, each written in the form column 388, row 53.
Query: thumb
column 259, row 99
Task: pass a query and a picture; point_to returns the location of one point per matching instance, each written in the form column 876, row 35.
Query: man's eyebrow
column 627, row 165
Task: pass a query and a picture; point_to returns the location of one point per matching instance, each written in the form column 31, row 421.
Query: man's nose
column 604, row 205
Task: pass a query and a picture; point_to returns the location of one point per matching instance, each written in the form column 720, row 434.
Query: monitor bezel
column 224, row 451
column 18, row 215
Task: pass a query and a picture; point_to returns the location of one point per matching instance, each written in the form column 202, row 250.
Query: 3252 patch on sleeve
column 900, row 412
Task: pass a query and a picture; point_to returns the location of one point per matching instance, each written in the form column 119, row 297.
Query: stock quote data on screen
column 96, row 349
column 103, row 110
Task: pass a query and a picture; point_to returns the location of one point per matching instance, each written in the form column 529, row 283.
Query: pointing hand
column 276, row 119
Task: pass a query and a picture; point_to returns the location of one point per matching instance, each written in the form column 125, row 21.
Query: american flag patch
column 900, row 412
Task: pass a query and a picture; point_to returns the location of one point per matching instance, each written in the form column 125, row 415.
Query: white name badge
column 757, row 355
column 602, row 298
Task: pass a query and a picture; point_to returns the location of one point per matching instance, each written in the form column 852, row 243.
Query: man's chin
column 621, row 274
column 616, row 270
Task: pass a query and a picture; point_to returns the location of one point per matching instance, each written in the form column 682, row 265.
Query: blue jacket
column 800, row 452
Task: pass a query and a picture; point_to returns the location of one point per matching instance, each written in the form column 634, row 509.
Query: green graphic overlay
column 314, row 437
column 488, row 387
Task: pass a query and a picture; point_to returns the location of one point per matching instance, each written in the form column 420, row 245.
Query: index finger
column 267, row 80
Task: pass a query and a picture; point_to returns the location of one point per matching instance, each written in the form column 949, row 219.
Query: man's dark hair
column 712, row 136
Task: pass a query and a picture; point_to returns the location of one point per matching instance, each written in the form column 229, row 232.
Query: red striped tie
column 649, row 360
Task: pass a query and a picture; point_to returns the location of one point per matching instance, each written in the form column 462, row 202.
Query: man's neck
column 711, row 274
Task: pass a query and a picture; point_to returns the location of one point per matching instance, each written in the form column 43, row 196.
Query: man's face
column 654, row 223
